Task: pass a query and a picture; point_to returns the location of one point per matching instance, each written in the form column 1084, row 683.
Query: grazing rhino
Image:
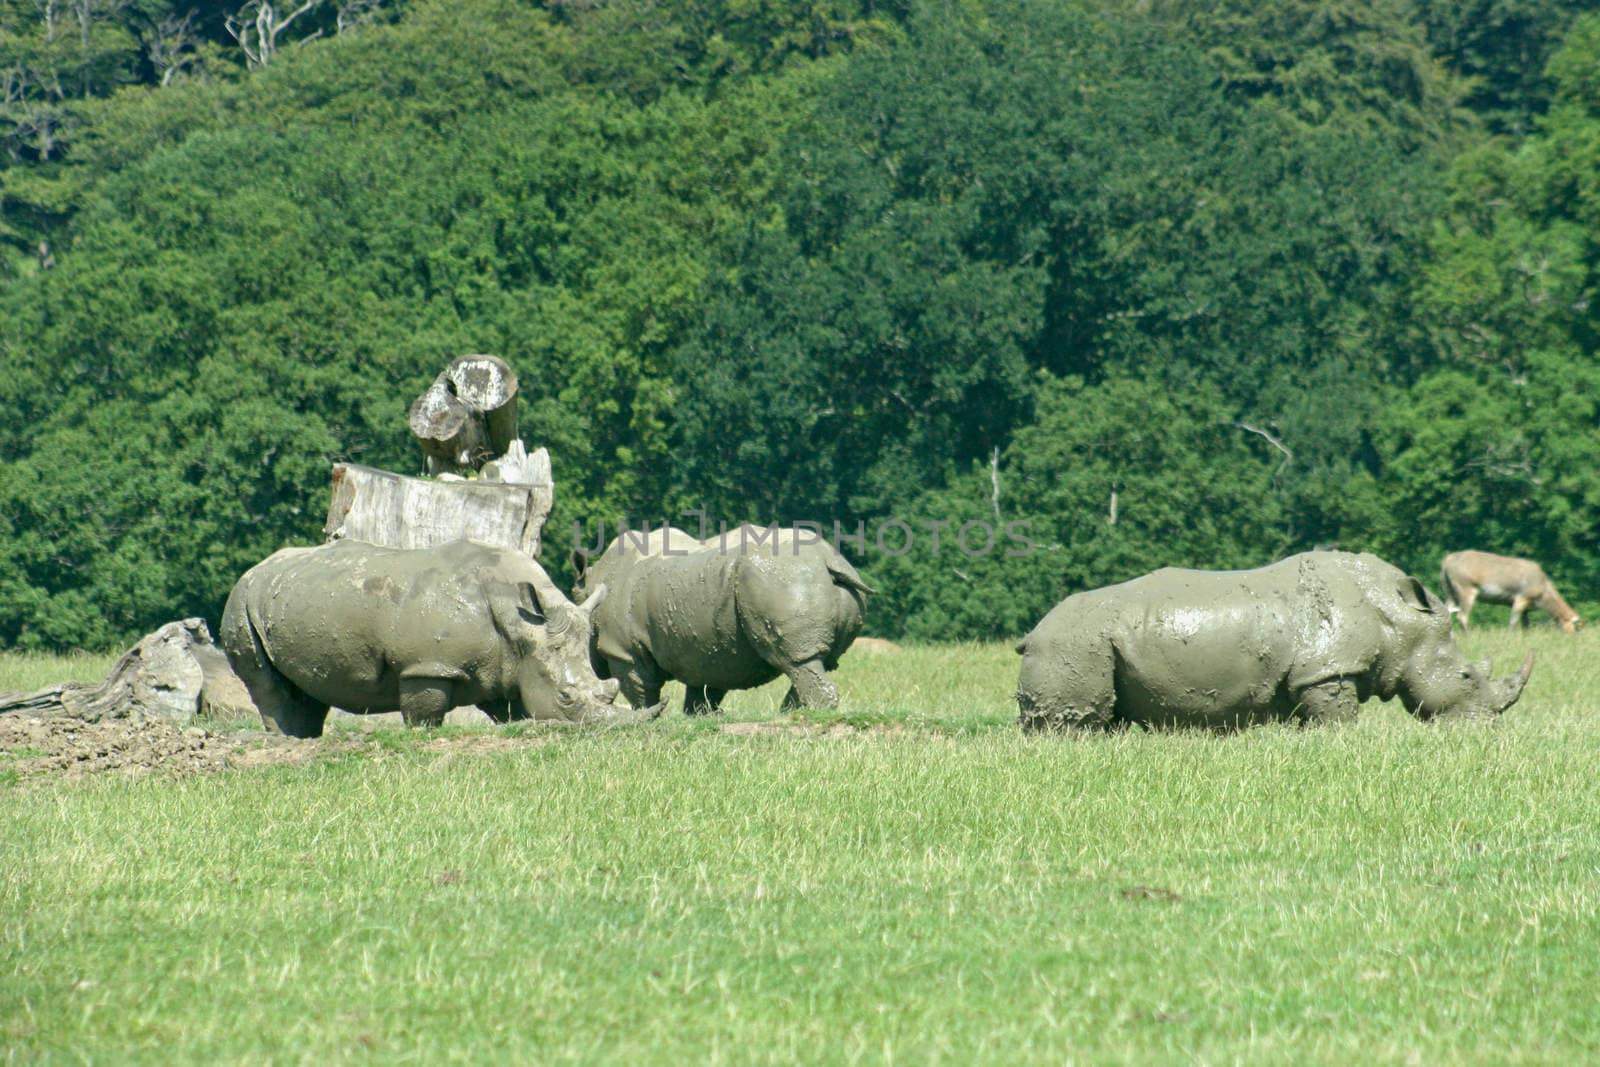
column 730, row 613
column 1470, row 576
column 1308, row 638
column 415, row 630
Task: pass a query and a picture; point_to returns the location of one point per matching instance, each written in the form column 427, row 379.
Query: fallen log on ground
column 172, row 674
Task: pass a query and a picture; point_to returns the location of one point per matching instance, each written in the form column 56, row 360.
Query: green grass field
column 910, row 880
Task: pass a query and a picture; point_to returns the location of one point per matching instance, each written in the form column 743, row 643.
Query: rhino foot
column 1036, row 718
column 703, row 700
column 810, row 687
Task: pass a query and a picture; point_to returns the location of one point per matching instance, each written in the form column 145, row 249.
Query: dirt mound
column 64, row 745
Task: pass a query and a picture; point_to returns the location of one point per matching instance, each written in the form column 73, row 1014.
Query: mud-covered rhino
column 732, row 612
column 418, row 631
column 1308, row 638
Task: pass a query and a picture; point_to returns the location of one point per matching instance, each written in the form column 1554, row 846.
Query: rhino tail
column 240, row 635
column 844, row 574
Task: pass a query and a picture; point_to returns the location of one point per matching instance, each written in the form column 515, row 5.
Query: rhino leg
column 1068, row 687
column 641, row 683
column 1332, row 701
column 703, row 700
column 1036, row 718
column 809, row 687
column 287, row 711
column 424, row 701
column 284, row 708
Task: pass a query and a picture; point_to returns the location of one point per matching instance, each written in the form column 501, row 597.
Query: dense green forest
column 1166, row 283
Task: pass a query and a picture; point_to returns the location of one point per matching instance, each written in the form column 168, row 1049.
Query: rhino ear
column 514, row 606
column 528, row 607
column 580, row 562
column 1414, row 593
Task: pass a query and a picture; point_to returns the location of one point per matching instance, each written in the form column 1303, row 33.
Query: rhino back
column 1191, row 659
column 1218, row 648
column 680, row 612
column 342, row 621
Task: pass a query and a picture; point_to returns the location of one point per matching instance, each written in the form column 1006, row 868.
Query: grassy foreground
column 928, row 887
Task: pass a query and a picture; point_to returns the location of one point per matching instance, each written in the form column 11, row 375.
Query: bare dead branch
column 257, row 26
column 1288, row 456
column 994, row 480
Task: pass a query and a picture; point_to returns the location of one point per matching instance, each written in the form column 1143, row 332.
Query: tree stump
column 394, row 511
column 168, row 675
column 468, row 416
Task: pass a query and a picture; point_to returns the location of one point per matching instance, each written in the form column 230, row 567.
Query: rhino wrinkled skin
column 418, row 631
column 1308, row 638
column 732, row 612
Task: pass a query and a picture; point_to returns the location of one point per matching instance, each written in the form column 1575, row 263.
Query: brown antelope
column 1522, row 583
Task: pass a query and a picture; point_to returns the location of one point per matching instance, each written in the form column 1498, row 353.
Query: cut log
column 453, row 437
column 168, row 675
column 488, row 386
column 223, row 695
column 398, row 512
column 468, row 416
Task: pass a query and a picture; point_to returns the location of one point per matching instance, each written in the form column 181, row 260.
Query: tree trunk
column 170, row 674
column 398, row 512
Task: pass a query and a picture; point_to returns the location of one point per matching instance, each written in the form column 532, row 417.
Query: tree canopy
column 1163, row 286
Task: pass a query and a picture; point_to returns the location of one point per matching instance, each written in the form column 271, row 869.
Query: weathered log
column 468, row 416
column 169, row 674
column 223, row 696
column 392, row 510
column 488, row 386
column 453, row 437
column 516, row 467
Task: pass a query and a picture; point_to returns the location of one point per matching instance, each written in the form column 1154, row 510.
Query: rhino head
column 1436, row 680
column 550, row 639
column 584, row 567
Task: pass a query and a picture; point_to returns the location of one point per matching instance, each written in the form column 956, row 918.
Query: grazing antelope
column 1522, row 583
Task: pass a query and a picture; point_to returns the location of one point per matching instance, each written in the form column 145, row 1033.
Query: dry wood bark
column 392, row 510
column 488, row 386
column 468, row 416
column 453, row 438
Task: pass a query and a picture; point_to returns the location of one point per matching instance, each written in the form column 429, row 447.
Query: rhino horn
column 1515, row 684
column 613, row 715
column 594, row 599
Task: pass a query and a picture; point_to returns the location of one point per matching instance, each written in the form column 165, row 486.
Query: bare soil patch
column 58, row 745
